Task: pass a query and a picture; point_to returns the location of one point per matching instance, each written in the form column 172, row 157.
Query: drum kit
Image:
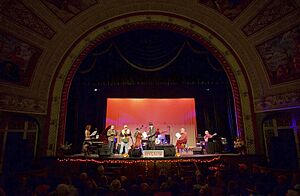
column 159, row 140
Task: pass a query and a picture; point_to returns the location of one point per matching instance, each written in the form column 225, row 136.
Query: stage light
column 95, row 90
column 207, row 89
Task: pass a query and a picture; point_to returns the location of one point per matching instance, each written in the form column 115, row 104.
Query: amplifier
column 103, row 150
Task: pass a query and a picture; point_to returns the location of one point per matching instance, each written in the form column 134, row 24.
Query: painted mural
column 17, row 60
column 67, row 9
column 229, row 8
column 16, row 11
column 281, row 56
column 275, row 10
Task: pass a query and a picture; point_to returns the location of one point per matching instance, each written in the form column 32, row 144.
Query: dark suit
column 151, row 137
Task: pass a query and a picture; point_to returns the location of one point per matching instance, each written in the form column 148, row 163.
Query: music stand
column 93, row 134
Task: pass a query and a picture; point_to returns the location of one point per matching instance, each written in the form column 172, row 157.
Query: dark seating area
column 207, row 176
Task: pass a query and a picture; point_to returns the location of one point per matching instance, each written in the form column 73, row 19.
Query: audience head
column 115, row 185
column 83, row 176
column 242, row 167
column 144, row 187
column 62, row 190
column 100, row 170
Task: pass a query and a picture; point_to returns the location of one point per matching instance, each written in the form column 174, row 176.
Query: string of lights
column 147, row 161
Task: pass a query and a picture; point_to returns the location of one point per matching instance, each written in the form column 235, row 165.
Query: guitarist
column 151, row 136
column 206, row 137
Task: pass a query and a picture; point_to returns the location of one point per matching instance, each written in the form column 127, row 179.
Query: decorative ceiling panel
column 229, row 8
column 17, row 60
column 281, row 56
column 16, row 11
column 273, row 11
column 66, row 10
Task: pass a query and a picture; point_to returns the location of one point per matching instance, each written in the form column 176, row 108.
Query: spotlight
column 95, row 90
column 207, row 89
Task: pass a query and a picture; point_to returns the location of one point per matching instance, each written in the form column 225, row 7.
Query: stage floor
column 184, row 155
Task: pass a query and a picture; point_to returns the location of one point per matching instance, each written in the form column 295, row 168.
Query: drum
column 145, row 144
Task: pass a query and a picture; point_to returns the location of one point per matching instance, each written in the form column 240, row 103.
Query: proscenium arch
column 61, row 82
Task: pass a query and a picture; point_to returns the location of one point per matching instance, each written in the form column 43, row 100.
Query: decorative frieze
column 15, row 103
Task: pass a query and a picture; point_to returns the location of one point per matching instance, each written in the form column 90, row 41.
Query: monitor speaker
column 169, row 150
column 136, row 152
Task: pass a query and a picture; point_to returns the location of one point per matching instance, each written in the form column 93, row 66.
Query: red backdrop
column 168, row 115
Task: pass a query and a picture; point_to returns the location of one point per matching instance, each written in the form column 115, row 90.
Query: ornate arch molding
column 67, row 68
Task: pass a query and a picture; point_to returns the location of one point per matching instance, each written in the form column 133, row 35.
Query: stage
column 118, row 157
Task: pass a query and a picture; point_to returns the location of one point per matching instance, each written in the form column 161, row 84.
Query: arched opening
column 86, row 43
column 151, row 63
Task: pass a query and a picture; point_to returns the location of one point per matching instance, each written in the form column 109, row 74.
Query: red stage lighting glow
column 167, row 115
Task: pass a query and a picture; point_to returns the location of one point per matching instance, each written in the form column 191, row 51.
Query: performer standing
column 138, row 138
column 151, row 136
column 206, row 137
column 124, row 138
column 87, row 139
column 182, row 140
column 111, row 134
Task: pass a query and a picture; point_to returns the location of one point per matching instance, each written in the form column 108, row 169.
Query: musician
column 125, row 135
column 87, row 132
column 111, row 134
column 182, row 140
column 207, row 136
column 151, row 136
column 87, row 139
column 138, row 138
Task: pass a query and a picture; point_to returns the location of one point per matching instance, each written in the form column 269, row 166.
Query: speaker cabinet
column 169, row 150
column 136, row 152
column 103, row 150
